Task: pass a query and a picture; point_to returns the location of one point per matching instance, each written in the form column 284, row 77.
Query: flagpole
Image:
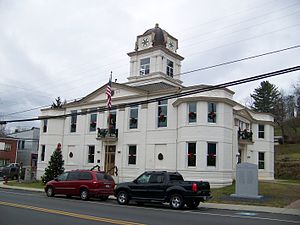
column 108, row 93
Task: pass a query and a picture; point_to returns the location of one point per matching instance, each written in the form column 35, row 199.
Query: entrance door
column 110, row 153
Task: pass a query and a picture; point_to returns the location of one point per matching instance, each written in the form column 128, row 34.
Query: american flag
column 108, row 93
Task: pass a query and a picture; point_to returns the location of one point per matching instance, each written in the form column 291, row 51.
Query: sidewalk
column 290, row 210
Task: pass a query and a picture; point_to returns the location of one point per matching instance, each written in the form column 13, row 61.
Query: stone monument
column 246, row 185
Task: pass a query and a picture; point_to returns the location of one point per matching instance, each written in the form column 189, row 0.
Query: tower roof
column 160, row 35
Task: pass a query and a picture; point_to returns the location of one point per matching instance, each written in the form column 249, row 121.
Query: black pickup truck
column 162, row 186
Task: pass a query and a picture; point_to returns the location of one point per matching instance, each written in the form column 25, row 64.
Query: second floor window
column 93, row 122
column 162, row 113
column 192, row 110
column 145, row 66
column 91, row 154
column 132, row 155
column 133, row 117
column 211, row 114
column 261, row 131
column 21, row 144
column 73, row 121
column 45, row 126
column 170, row 68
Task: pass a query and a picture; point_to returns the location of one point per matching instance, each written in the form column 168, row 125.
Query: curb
column 252, row 208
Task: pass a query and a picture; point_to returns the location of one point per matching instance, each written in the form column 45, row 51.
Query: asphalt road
column 32, row 208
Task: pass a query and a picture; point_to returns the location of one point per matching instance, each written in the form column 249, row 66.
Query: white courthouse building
column 203, row 136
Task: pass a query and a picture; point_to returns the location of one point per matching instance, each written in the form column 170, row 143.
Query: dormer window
column 145, row 66
column 170, row 67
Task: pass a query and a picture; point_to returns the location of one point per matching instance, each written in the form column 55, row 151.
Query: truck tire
column 193, row 204
column 123, row 198
column 176, row 201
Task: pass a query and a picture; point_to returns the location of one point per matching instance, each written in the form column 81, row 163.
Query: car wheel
column 50, row 191
column 123, row 198
column 84, row 194
column 104, row 198
column 176, row 201
column 193, row 204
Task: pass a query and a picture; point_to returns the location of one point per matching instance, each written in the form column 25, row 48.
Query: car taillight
column 194, row 187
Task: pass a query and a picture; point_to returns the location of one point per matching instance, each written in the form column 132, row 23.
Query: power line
column 191, row 71
column 182, row 94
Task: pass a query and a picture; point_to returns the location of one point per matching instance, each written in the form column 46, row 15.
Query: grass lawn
column 37, row 184
column 287, row 151
column 276, row 194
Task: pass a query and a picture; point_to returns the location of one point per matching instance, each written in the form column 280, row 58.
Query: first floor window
column 91, row 154
column 261, row 160
column 191, row 154
column 132, row 155
column 211, row 154
column 43, row 153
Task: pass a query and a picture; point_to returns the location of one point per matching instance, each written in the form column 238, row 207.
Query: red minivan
column 83, row 183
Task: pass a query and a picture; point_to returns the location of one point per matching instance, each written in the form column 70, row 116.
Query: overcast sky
column 68, row 48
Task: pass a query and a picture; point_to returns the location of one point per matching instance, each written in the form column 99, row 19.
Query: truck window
column 176, row 177
column 157, row 178
column 144, row 179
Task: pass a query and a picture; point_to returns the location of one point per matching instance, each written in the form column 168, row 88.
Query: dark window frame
column 145, row 66
column 162, row 113
column 93, row 122
column 261, row 131
column 133, row 117
column 132, row 151
column 192, row 112
column 212, row 112
column 43, row 153
column 73, row 121
column 261, row 160
column 91, row 154
column 211, row 159
column 191, row 154
column 170, row 68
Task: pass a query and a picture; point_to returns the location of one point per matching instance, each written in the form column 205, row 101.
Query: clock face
column 171, row 45
column 145, row 42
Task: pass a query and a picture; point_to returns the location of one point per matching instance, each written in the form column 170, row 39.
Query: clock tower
column 155, row 59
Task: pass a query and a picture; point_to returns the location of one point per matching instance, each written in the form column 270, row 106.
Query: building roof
column 156, row 87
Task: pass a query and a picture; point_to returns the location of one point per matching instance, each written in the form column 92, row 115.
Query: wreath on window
column 212, row 115
column 93, row 124
column 192, row 115
column 162, row 118
column 133, row 120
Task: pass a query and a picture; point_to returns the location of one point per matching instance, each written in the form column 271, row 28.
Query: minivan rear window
column 104, row 176
column 85, row 176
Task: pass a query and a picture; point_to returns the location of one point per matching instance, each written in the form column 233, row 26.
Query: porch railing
column 109, row 134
